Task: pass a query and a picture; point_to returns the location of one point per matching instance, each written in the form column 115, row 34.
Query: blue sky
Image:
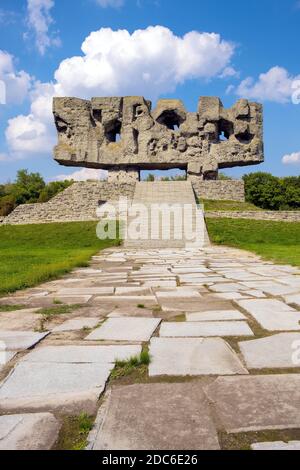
column 229, row 49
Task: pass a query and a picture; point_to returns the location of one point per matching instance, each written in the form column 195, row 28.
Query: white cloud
column 17, row 83
column 291, row 159
column 110, row 3
column 83, row 175
column 147, row 62
column 39, row 21
column 275, row 85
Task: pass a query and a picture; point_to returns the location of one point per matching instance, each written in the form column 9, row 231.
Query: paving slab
column 132, row 311
column 132, row 290
column 179, row 292
column 20, row 340
column 231, row 295
column 36, row 431
column 65, row 299
column 82, row 354
column 272, row 315
column 272, row 287
column 215, row 315
column 160, row 283
column 5, row 356
column 193, row 357
column 155, row 417
column 293, row 299
column 77, row 324
column 279, row 445
column 45, row 386
column 277, row 351
column 255, row 403
column 125, row 329
column 204, row 329
column 86, row 291
column 228, row 287
column 25, row 319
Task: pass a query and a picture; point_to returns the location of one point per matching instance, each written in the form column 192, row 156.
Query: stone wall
column 280, row 216
column 225, row 190
column 79, row 202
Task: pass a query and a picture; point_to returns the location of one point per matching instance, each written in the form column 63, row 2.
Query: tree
column 53, row 188
column 273, row 193
column 7, row 205
column 27, row 187
column 150, row 177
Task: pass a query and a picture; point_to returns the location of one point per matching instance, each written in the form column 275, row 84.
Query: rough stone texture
column 125, row 329
column 231, row 190
column 257, row 402
column 279, row 445
column 79, row 202
column 281, row 216
column 37, row 431
column 124, row 132
column 278, row 351
column 155, row 417
column 192, row 357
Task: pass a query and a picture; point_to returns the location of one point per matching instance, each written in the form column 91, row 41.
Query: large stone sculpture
column 124, row 135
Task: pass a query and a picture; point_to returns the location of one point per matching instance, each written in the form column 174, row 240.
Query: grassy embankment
column 276, row 241
column 30, row 254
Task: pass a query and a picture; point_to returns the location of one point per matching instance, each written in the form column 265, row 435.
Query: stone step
column 162, row 193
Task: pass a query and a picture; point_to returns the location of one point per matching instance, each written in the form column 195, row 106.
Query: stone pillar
column 122, row 175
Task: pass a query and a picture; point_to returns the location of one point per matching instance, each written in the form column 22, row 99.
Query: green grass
column 74, row 432
column 11, row 308
column 60, row 310
column 30, row 254
column 276, row 241
column 134, row 364
column 210, row 205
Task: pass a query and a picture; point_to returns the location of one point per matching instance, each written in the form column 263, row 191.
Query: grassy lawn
column 30, row 254
column 276, row 241
column 228, row 206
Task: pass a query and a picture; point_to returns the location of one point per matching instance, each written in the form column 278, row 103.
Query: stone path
column 222, row 330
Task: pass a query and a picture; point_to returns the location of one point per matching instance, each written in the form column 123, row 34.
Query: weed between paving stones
column 136, row 364
column 74, row 432
column 243, row 441
column 11, row 308
column 51, row 312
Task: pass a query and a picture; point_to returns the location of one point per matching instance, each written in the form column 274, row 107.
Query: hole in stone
column 245, row 138
column 225, row 130
column 170, row 119
column 175, row 174
column 113, row 132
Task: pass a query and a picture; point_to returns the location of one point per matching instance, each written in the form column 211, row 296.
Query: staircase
column 152, row 203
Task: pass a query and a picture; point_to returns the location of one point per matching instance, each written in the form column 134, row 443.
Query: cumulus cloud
column 291, row 159
column 148, row 62
column 16, row 84
column 83, row 175
column 110, row 3
column 276, row 85
column 39, row 21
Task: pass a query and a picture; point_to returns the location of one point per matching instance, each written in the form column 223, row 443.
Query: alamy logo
column 2, row 92
column 296, row 93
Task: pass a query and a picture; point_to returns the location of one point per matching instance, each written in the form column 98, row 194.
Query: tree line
column 26, row 189
column 262, row 189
